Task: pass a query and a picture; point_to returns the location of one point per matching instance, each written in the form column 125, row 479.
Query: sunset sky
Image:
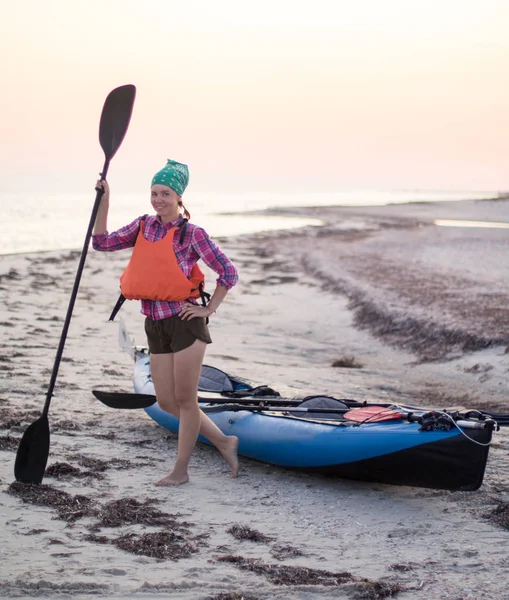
column 280, row 95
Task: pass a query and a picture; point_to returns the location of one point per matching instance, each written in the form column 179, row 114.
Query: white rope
column 463, row 433
column 438, row 412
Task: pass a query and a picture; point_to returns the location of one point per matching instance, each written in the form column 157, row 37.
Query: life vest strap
column 117, row 307
column 204, row 297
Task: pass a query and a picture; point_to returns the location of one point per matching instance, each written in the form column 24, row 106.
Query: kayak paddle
column 122, row 400
column 33, row 449
column 131, row 401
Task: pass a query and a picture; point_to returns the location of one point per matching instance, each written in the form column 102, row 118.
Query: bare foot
column 229, row 453
column 173, row 479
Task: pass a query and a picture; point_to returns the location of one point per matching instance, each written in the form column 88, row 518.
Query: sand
column 419, row 310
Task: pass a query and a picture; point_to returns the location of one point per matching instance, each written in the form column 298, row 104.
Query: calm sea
column 34, row 222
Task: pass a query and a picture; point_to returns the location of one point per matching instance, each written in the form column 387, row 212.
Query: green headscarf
column 174, row 174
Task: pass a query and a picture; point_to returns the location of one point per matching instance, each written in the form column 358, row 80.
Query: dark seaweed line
column 429, row 340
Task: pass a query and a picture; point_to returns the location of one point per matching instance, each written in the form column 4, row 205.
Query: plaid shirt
column 195, row 245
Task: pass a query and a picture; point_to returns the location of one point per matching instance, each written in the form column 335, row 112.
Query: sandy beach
column 416, row 312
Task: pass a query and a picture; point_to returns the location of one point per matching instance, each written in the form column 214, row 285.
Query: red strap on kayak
column 372, row 414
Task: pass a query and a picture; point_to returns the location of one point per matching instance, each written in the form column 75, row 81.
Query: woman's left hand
column 190, row 311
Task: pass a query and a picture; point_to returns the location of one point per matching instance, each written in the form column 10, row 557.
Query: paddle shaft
column 289, row 409
column 74, row 292
column 273, row 401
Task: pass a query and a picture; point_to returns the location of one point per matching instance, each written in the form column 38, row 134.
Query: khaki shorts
column 174, row 334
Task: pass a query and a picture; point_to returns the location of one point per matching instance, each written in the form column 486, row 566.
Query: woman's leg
column 176, row 378
column 226, row 444
column 178, row 394
column 161, row 371
column 186, row 374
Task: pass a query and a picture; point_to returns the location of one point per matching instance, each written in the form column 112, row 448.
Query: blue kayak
column 417, row 447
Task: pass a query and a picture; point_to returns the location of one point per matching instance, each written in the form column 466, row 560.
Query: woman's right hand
column 102, row 184
column 101, row 220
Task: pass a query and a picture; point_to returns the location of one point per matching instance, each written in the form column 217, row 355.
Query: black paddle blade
column 33, row 452
column 115, row 118
column 125, row 401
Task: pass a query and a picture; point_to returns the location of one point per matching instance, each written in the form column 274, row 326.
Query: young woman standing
column 162, row 273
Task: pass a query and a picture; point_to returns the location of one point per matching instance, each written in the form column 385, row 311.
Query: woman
column 176, row 326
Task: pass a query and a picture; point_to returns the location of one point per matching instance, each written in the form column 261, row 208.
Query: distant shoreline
column 75, row 231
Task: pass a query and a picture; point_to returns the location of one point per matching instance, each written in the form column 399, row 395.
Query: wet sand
column 419, row 312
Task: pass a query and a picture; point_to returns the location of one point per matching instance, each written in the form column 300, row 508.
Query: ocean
column 43, row 222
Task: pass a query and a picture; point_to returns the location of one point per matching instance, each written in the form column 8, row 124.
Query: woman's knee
column 169, row 405
column 185, row 400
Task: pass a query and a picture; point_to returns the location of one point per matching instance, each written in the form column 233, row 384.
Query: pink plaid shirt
column 195, row 245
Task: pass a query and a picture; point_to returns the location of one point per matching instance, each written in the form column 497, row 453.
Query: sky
column 275, row 96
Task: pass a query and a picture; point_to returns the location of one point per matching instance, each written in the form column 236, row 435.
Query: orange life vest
column 153, row 273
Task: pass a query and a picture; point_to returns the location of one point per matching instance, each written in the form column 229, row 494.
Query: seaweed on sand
column 69, row 508
column 8, row 421
column 62, row 470
column 8, row 442
column 287, row 575
column 347, row 362
column 163, row 545
column 378, row 590
column 363, row 589
column 279, row 551
column 499, row 515
column 99, row 465
column 128, row 511
column 282, row 552
column 110, row 435
column 12, row 275
column 243, row 532
column 93, row 468
column 171, row 543
column 65, row 425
